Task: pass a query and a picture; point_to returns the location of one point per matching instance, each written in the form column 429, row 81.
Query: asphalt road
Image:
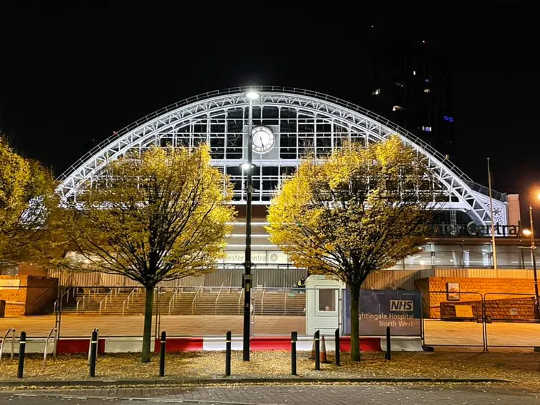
column 380, row 394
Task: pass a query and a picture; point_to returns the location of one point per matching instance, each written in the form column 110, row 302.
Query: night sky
column 72, row 72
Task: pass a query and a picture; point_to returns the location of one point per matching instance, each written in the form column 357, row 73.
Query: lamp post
column 251, row 96
column 533, row 247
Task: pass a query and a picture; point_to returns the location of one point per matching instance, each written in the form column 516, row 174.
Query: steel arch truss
column 357, row 121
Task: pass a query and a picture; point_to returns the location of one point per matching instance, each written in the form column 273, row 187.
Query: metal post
column 493, row 247
column 158, row 319
column 58, row 323
column 338, row 348
column 294, row 338
column 93, row 353
column 316, row 337
column 12, row 343
column 228, row 353
column 388, row 354
column 533, row 247
column 484, row 324
column 163, row 342
column 247, row 258
column 22, row 344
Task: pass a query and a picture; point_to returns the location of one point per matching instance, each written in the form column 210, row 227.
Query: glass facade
column 470, row 255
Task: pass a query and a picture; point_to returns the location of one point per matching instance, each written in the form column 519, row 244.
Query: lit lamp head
column 252, row 95
column 246, row 167
column 526, row 232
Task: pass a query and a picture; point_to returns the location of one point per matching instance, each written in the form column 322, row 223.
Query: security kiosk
column 323, row 302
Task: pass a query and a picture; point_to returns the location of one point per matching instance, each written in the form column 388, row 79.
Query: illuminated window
column 327, row 300
column 448, row 118
column 427, row 90
column 414, row 72
column 376, row 92
column 397, row 108
column 426, row 128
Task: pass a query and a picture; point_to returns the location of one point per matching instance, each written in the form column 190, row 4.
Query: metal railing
column 10, row 331
column 49, row 336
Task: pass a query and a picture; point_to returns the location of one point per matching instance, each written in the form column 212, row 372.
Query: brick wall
column 41, row 295
column 33, row 296
column 434, row 289
column 512, row 308
column 15, row 297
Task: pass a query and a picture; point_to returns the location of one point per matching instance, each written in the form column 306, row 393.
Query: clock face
column 263, row 139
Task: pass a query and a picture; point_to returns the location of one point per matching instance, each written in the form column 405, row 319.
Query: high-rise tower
column 412, row 86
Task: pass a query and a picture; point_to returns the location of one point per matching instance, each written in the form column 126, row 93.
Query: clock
column 263, row 139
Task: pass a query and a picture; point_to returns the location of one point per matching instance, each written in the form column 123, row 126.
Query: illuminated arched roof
column 321, row 121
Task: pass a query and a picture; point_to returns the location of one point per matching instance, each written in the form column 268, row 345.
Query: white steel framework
column 302, row 121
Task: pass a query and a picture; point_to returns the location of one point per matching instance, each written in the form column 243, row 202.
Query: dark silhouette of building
column 412, row 86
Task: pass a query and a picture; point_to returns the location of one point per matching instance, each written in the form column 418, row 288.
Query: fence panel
column 512, row 320
column 453, row 318
column 279, row 311
column 115, row 311
column 201, row 311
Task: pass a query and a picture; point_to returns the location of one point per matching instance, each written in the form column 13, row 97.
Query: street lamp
column 251, row 95
column 530, row 232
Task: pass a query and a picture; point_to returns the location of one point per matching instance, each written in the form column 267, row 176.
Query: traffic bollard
column 228, row 353
column 93, row 353
column 22, row 347
column 317, row 351
column 294, row 338
column 388, row 354
column 338, row 348
column 162, row 354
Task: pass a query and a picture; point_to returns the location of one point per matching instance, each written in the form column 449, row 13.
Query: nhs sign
column 401, row 306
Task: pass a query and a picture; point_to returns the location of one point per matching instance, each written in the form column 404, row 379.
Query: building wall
column 434, row 291
column 12, row 291
column 500, row 309
column 27, row 295
column 514, row 213
column 42, row 293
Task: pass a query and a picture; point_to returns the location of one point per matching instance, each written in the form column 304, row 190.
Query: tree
column 159, row 216
column 28, row 204
column 357, row 211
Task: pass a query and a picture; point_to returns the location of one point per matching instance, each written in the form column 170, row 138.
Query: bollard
column 162, row 354
column 93, row 353
column 22, row 346
column 388, row 354
column 338, row 348
column 294, row 338
column 228, row 353
column 317, row 351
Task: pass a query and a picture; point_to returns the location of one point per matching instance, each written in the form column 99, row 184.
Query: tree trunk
column 147, row 335
column 355, row 324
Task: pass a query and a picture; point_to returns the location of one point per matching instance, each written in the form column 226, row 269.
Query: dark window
column 327, row 300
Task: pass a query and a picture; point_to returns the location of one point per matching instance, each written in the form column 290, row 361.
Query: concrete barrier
column 403, row 344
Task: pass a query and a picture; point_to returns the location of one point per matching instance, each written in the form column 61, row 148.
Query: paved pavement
column 379, row 394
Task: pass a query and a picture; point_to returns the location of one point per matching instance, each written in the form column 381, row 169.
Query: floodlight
column 252, row 95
